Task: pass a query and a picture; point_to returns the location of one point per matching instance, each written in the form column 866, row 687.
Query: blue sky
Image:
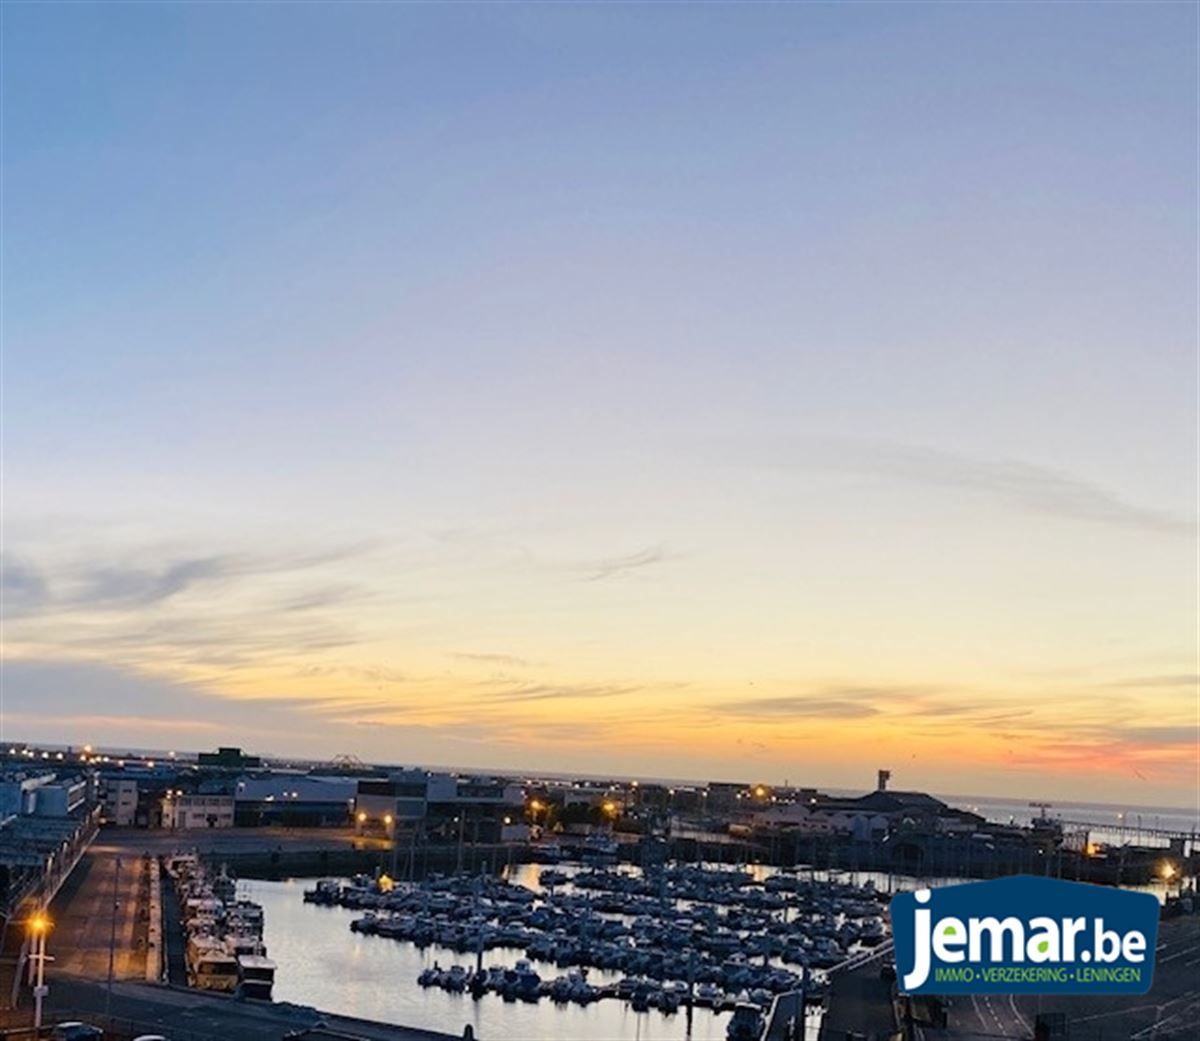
column 622, row 362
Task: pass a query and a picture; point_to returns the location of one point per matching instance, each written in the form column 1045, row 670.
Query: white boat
column 256, row 976
column 210, row 966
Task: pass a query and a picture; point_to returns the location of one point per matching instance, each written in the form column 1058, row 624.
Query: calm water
column 1117, row 822
column 322, row 963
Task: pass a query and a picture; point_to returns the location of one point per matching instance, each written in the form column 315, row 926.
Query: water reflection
column 322, row 963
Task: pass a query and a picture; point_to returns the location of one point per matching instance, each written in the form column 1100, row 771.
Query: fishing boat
column 210, row 966
column 256, row 976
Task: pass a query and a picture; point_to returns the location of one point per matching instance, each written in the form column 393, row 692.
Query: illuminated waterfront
column 322, row 963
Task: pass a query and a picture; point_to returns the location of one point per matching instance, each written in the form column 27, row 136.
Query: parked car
column 76, row 1031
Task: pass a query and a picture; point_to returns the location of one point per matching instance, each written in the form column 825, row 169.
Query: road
column 188, row 1015
column 103, row 904
column 1170, row 1012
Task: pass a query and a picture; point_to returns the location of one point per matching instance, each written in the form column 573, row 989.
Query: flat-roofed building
column 294, row 799
column 438, row 802
column 183, row 811
column 120, row 801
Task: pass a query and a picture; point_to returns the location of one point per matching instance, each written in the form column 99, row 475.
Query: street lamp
column 1167, row 872
column 39, row 926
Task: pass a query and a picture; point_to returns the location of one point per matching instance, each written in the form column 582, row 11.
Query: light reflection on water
column 323, row 964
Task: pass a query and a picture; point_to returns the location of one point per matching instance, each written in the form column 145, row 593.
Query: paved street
column 83, row 912
column 84, row 917
column 185, row 1015
column 1170, row 1012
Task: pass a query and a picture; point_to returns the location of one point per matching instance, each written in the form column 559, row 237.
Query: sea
column 1107, row 822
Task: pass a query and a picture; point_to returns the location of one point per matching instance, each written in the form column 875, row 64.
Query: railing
column 116, row 1028
column 867, row 957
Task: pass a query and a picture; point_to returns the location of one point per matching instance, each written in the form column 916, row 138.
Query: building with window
column 181, row 811
column 296, row 800
column 120, row 801
column 438, row 803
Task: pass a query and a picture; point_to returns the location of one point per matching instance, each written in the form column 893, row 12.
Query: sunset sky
column 748, row 392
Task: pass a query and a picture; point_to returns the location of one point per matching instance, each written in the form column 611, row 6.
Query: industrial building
column 295, row 800
column 120, row 801
column 438, row 802
column 201, row 810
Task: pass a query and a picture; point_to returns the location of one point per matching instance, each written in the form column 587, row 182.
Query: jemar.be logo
column 1024, row 935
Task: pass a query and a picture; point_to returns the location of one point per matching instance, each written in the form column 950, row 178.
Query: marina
column 681, row 950
column 322, row 962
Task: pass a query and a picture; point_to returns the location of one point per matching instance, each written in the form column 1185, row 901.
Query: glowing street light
column 39, row 926
column 362, row 817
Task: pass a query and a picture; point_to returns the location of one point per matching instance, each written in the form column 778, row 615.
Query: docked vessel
column 256, row 976
column 210, row 965
column 225, row 949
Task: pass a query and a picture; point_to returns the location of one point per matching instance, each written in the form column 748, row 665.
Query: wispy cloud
column 522, row 692
column 122, row 586
column 797, row 706
column 1029, row 486
column 108, row 587
column 610, row 567
column 219, row 609
column 23, row 586
column 510, row 660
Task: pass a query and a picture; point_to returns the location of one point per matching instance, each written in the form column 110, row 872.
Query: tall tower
column 882, row 779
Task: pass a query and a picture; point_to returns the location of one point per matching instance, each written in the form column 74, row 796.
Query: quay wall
column 296, row 862
column 929, row 856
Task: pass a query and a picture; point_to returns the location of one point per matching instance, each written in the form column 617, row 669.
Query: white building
column 808, row 821
column 197, row 811
column 120, row 800
column 435, row 799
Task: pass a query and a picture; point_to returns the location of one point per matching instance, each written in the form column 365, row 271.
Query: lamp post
column 39, row 925
column 389, row 824
column 112, row 938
